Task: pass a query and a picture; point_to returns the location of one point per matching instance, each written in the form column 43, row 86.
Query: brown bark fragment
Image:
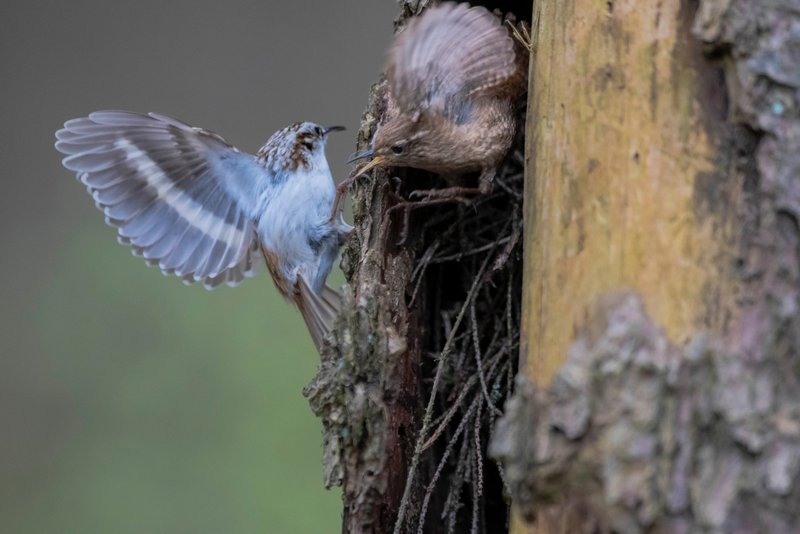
column 641, row 435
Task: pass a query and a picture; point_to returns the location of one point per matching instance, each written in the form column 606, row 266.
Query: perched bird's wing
column 319, row 310
column 448, row 54
column 179, row 196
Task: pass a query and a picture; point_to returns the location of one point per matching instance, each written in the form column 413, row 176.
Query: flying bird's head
column 300, row 145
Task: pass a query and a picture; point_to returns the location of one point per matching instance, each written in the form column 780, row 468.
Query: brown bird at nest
column 454, row 76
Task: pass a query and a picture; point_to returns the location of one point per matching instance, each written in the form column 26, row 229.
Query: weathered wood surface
column 673, row 174
column 624, row 169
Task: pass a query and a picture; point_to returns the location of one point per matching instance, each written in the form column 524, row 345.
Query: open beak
column 376, row 161
column 330, row 129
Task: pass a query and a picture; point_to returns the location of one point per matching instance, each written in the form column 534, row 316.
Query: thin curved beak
column 330, row 129
column 376, row 162
column 360, row 155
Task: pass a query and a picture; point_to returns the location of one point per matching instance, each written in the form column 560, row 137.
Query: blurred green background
column 129, row 402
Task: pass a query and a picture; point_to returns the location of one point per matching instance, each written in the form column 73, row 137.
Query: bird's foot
column 522, row 34
column 341, row 192
column 407, row 207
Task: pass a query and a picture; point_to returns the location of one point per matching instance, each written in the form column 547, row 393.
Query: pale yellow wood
column 616, row 141
column 618, row 135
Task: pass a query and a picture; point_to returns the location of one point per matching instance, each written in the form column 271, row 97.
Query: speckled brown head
column 453, row 77
column 290, row 148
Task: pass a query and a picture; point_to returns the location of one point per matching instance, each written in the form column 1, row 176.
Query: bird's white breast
column 296, row 213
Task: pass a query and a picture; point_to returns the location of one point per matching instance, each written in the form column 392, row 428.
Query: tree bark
column 366, row 392
column 406, row 420
column 660, row 335
column 367, row 388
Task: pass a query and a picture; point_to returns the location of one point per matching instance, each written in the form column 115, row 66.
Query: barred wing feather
column 180, row 196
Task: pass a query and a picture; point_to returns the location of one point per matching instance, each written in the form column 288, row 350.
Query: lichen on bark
column 647, row 436
column 367, row 377
column 366, row 392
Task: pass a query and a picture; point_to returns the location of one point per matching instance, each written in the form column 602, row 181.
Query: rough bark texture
column 636, row 434
column 645, row 173
column 404, row 301
column 366, row 390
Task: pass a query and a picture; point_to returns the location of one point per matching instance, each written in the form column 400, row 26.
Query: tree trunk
column 366, row 392
column 426, row 348
column 660, row 331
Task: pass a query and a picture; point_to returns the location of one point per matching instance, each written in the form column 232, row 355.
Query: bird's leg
column 400, row 203
column 408, row 207
column 394, row 194
column 398, row 183
column 405, row 206
column 341, row 190
column 523, row 35
column 456, row 194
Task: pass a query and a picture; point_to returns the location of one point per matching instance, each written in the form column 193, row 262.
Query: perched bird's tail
column 318, row 309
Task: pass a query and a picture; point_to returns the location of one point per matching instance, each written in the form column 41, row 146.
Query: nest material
column 466, row 287
column 424, row 352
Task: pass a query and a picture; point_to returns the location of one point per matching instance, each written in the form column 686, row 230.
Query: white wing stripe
column 183, row 204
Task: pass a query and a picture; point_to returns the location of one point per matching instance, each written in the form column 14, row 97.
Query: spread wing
column 179, row 196
column 448, row 54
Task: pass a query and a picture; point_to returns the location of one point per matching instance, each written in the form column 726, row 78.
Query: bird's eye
column 318, row 131
column 397, row 149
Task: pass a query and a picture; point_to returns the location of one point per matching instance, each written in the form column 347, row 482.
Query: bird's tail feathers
column 319, row 310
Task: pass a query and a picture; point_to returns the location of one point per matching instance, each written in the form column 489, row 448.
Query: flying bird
column 202, row 210
column 454, row 76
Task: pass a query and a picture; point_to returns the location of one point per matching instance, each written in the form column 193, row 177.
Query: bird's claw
column 522, row 34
